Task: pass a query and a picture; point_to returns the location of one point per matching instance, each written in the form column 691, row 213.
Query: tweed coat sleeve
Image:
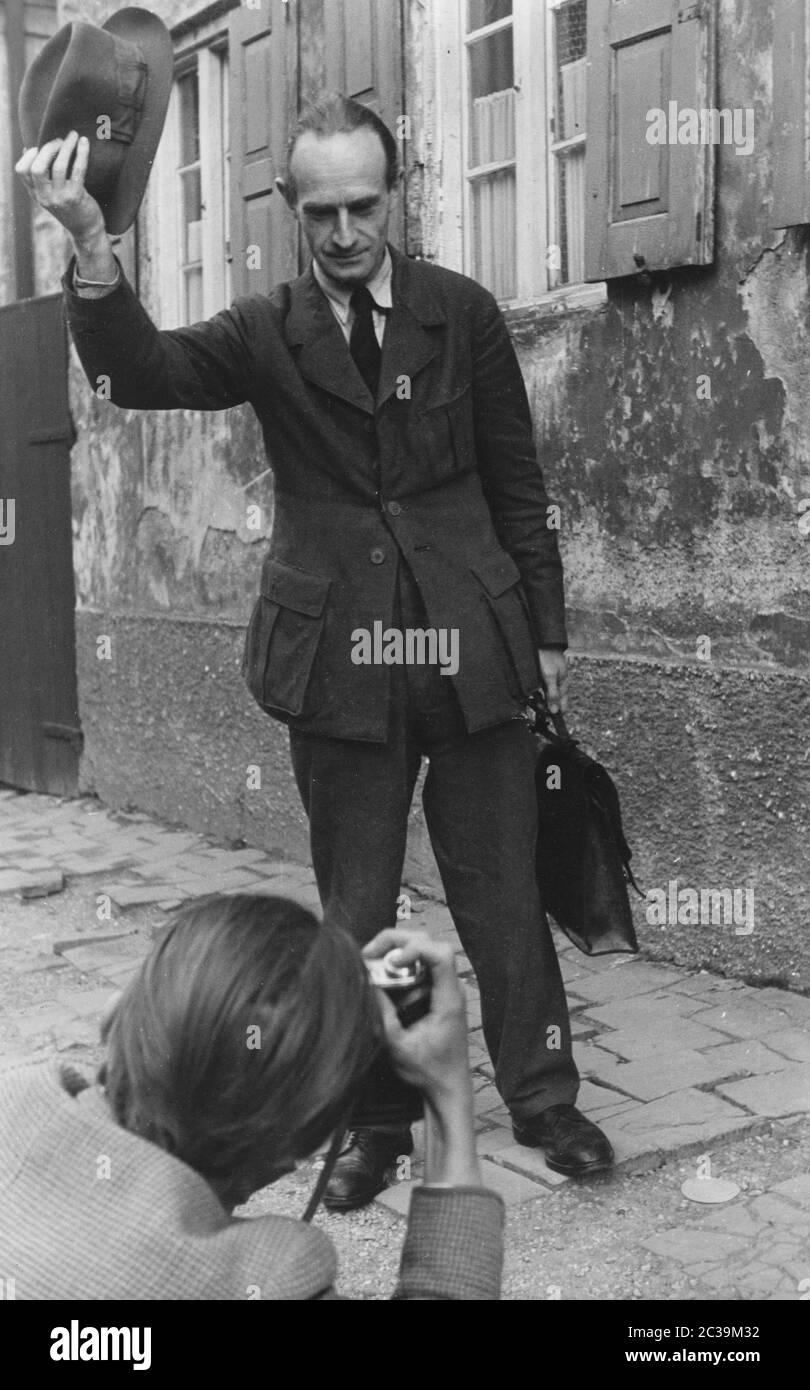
column 207, row 366
column 453, row 1249
column 510, row 473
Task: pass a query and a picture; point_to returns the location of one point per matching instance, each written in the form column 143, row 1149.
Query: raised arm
column 207, row 366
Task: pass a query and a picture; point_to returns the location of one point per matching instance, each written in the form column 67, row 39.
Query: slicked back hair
column 335, row 114
column 246, row 1032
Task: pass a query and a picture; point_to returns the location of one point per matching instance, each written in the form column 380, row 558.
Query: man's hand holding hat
column 54, row 176
column 91, row 107
column 56, row 180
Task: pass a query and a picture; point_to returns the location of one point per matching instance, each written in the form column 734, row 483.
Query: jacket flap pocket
column 456, row 397
column 295, row 589
column 497, row 573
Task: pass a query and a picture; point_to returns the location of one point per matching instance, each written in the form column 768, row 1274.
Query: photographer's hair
column 335, row 114
column 245, row 1034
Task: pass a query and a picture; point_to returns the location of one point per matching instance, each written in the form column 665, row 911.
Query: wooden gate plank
column 38, row 690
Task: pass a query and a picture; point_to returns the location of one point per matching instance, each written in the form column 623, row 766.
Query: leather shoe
column 573, row 1145
column 361, row 1167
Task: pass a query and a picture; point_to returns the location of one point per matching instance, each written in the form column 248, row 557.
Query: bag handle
column 543, row 716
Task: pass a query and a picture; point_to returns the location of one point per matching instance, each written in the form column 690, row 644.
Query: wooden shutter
column 262, row 56
column 791, row 103
column 363, row 59
column 648, row 206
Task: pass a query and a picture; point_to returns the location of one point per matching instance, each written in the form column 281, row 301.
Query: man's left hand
column 554, row 674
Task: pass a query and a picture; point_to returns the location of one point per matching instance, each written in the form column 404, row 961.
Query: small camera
column 407, row 986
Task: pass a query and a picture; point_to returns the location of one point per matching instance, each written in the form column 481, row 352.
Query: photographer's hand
column 432, row 1054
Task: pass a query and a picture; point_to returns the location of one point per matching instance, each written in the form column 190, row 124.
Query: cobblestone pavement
column 674, row 1065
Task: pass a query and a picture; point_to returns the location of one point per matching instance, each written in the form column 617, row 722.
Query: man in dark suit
column 410, row 520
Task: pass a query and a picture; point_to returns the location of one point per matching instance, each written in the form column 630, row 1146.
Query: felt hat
column 111, row 83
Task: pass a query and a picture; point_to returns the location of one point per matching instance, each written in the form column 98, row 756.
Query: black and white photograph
column 405, row 664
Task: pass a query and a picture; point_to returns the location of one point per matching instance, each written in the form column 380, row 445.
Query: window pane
column 491, row 67
column 492, row 136
column 492, row 100
column 189, row 118
column 194, row 295
column 482, row 12
column 494, row 243
column 192, row 215
column 570, row 28
column 572, row 216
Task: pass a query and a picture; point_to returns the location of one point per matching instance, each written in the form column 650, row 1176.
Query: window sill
column 568, row 299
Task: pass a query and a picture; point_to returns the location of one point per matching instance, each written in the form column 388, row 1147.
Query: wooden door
column 40, row 738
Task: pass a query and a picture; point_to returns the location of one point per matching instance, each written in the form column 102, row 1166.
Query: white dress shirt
column 340, row 300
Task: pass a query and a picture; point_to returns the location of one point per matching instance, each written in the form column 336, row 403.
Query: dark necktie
column 363, row 344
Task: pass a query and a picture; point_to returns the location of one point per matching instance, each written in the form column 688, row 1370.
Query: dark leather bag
column 583, row 859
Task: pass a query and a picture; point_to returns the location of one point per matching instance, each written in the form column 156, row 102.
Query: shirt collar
column 379, row 288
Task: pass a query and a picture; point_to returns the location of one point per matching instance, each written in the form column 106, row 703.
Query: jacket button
column 394, row 508
column 377, row 556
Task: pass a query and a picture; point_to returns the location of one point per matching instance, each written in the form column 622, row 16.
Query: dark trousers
column 481, row 814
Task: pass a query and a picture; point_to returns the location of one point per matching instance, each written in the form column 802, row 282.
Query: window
column 521, row 119
column 190, row 190
column 191, row 216
column 533, row 203
column 490, row 145
column 569, row 65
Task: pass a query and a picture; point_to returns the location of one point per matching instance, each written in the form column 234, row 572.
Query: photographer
column 236, row 1051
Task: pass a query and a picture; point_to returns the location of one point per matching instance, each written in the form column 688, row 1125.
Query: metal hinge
column 66, row 734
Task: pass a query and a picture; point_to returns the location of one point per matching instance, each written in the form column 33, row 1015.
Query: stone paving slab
column 745, row 1017
column 619, row 981
column 797, row 1188
column 660, row 1076
column 601, row 1100
column 680, row 1121
column 14, row 880
column 489, row 1142
column 651, row 1036
column 753, row 1058
column 791, row 1042
column 530, row 1163
column 663, row 1008
column 126, row 895
column 776, row 1094
column 593, row 1061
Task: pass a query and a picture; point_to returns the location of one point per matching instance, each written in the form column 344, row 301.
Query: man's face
column 343, row 203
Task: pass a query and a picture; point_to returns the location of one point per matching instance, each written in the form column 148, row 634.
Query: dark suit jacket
column 441, row 469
